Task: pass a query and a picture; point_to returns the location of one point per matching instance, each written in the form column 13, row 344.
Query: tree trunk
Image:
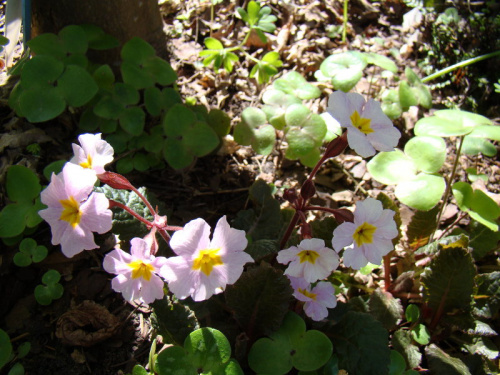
column 122, row 19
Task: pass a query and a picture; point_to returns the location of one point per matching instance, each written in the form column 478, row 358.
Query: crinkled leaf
column 488, row 303
column 422, row 193
column 261, row 248
column 422, row 225
column 402, row 342
column 428, row 153
column 392, row 167
column 477, row 204
column 482, row 239
column 483, row 346
column 361, row 343
column 442, row 363
column 449, row 280
column 449, row 122
column 385, row 308
column 260, row 299
column 449, row 241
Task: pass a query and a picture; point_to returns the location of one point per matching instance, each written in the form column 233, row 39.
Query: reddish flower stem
column 113, row 203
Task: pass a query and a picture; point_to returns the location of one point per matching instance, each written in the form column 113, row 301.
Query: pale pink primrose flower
column 92, row 153
column 317, row 300
column 73, row 211
column 369, row 237
column 368, row 127
column 137, row 273
column 204, row 267
column 310, row 260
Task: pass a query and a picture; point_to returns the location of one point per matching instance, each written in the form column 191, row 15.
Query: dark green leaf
column 74, row 39
column 385, row 308
column 22, row 184
column 137, row 51
column 40, row 104
column 47, row 44
column 13, row 219
column 402, row 342
column 442, row 363
column 132, row 120
column 77, row 86
column 260, row 299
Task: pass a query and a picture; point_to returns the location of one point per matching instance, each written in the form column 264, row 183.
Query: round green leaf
column 344, row 69
column 17, row 369
column 5, row 348
column 137, row 51
column 42, row 295
column 27, row 246
column 47, row 44
column 39, row 253
column 412, row 313
column 476, row 146
column 201, row 139
column 178, row 120
column 428, row 153
column 54, row 167
column 312, row 351
column 132, row 120
column 212, row 43
column 298, row 143
column 153, row 100
column 421, row 334
column 126, row 94
column 176, row 154
column 208, row 348
column 296, row 114
column 174, row 360
column 398, row 364
column 55, row 290
column 160, row 71
column 270, row 357
column 41, row 104
column 98, row 39
column 219, row 121
column 13, row 219
column 392, row 167
column 125, row 165
column 22, row 260
column 74, row 39
column 23, row 349
column 487, row 131
column 77, row 86
column 333, row 128
column 104, row 77
column 421, row 193
column 450, row 122
column 133, row 75
column 109, row 107
column 140, row 161
column 382, row 61
column 41, row 71
column 51, row 277
column 22, row 184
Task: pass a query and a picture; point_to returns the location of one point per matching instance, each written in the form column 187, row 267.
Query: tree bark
column 122, row 19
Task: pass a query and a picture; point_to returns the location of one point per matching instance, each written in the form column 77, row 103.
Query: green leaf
column 77, row 86
column 392, row 167
column 276, row 104
column 391, row 105
column 477, row 204
column 51, row 277
column 361, row 344
column 449, row 280
column 22, row 184
column 254, row 130
column 174, row 359
column 13, row 219
column 98, row 39
column 382, row 61
column 39, row 253
column 40, row 104
column 5, row 348
column 486, row 131
column 41, row 71
column 104, row 77
column 213, row 43
column 153, row 100
column 343, row 69
column 176, row 154
column 398, row 364
column 17, row 369
column 137, row 51
column 139, row 370
column 476, row 146
column 219, row 121
column 421, row 193
column 442, row 363
column 421, row 334
column 23, row 349
column 482, row 239
column 47, row 44
column 160, row 71
column 177, row 120
column 268, row 356
column 208, row 348
column 74, row 39
column 412, row 313
column 403, row 343
column 133, row 75
column 428, row 153
column 294, row 83
column 312, row 351
column 260, row 299
column 488, row 295
column 200, row 139
column 449, row 122
column 132, row 120
column 385, row 308
column 22, row 260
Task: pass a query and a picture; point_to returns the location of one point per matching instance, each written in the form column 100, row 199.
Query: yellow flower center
column 308, row 256
column 308, row 293
column 71, row 211
column 88, row 163
column 141, row 269
column 363, row 124
column 364, row 234
column 206, row 261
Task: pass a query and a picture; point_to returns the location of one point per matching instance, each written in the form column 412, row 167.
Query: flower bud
column 342, row 215
column 115, row 180
column 308, row 189
column 336, row 146
column 290, row 195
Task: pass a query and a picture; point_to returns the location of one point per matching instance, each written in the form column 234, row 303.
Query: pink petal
column 194, row 236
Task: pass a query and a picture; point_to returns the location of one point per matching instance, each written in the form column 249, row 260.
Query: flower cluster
column 367, row 239
column 73, row 211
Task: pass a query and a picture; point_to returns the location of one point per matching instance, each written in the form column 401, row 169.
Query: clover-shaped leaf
column 413, row 91
column 276, row 103
column 477, row 141
column 45, row 294
column 477, row 204
column 290, row 346
column 254, row 130
column 29, row 251
column 344, row 70
column 421, row 191
column 187, row 137
column 294, row 83
column 205, row 351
